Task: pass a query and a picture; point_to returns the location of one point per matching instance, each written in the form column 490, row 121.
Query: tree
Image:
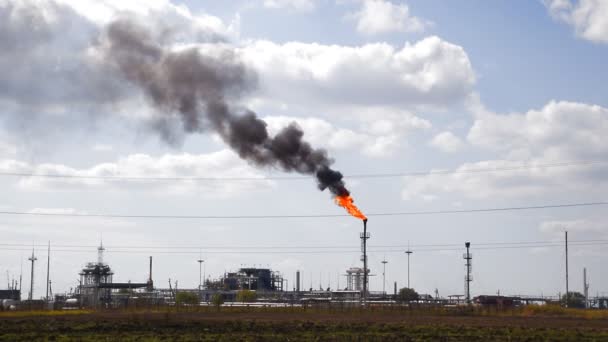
column 574, row 300
column 246, row 296
column 217, row 300
column 407, row 295
column 186, row 298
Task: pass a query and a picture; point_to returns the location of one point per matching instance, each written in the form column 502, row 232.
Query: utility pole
column 567, row 290
column 384, row 262
column 585, row 288
column 408, row 252
column 48, row 268
column 21, row 276
column 200, row 273
column 468, row 278
column 32, row 259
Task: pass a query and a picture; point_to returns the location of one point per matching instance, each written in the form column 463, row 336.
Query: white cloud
column 590, row 228
column 295, row 5
column 176, row 18
column 7, row 149
column 447, row 142
column 430, row 72
column 222, row 164
column 52, row 66
column 381, row 134
column 518, row 183
column 589, row 18
column 558, row 132
column 56, row 211
column 102, row 148
column 577, row 226
column 381, row 16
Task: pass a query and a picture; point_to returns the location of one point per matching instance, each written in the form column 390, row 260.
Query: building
column 250, row 278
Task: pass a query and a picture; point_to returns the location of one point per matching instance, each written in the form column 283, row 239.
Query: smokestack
column 297, row 281
column 150, row 272
column 364, row 237
column 150, row 282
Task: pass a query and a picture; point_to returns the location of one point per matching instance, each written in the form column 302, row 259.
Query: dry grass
column 44, row 313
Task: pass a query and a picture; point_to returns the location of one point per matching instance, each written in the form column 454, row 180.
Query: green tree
column 247, row 296
column 217, row 300
column 186, row 298
column 407, row 295
column 574, row 300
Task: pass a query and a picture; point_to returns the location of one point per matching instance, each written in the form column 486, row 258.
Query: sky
column 448, row 106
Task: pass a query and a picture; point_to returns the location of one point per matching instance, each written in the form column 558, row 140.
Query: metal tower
column 100, row 250
column 468, row 278
column 364, row 236
column 567, row 290
column 408, row 252
column 32, row 259
column 48, row 269
column 200, row 273
column 384, row 262
column 585, row 288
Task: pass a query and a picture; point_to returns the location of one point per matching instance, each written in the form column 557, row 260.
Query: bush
column 186, row 298
column 247, row 296
column 574, row 300
column 407, row 295
column 217, row 300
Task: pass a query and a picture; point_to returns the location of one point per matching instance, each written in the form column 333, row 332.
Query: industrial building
column 97, row 288
column 250, row 278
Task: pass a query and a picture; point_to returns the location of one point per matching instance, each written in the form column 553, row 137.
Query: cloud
column 52, row 79
column 380, row 16
column 381, row 139
column 221, row 164
column 7, row 149
column 558, row 132
column 430, row 72
column 102, row 148
column 520, row 181
column 447, row 142
column 378, row 86
column 294, row 5
column 589, row 18
column 181, row 24
column 579, row 226
column 45, row 67
column 579, row 229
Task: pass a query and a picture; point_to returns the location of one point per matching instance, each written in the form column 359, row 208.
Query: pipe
column 364, row 260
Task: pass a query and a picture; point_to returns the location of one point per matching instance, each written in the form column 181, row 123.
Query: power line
column 289, row 178
column 198, row 248
column 353, row 251
column 434, row 212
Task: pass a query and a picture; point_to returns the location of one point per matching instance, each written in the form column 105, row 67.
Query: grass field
column 529, row 324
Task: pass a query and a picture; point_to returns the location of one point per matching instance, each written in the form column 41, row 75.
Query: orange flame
column 347, row 203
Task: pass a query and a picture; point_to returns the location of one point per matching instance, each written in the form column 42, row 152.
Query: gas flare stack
column 364, row 236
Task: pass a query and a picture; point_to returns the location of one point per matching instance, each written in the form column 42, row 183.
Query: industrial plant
column 97, row 290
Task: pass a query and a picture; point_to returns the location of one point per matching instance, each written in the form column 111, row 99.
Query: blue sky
column 426, row 85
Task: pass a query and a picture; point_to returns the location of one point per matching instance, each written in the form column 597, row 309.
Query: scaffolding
column 354, row 278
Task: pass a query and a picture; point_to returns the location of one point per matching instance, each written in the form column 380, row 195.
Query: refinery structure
column 96, row 289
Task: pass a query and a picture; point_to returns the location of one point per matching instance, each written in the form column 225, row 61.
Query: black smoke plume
column 198, row 90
